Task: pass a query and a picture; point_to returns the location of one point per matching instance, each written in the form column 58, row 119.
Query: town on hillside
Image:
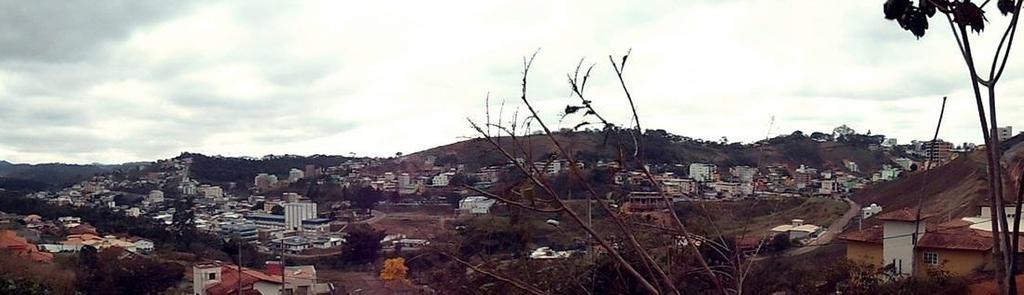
column 309, row 219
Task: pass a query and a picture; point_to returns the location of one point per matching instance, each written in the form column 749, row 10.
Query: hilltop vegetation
column 661, row 147
column 50, row 174
column 232, row 169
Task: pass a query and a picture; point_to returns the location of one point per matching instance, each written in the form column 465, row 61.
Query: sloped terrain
column 950, row 191
column 661, row 147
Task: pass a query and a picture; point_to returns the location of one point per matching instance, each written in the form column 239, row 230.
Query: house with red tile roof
column 10, row 241
column 911, row 244
column 216, row 278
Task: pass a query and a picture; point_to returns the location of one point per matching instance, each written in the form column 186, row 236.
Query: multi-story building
column 937, row 151
column 703, row 172
column 909, row 245
column 295, row 174
column 1004, row 133
column 265, row 181
column 804, row 175
column 245, row 231
column 744, row 173
column 312, row 171
column 442, row 179
column 295, row 213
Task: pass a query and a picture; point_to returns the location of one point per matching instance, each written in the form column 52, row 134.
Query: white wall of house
column 898, row 244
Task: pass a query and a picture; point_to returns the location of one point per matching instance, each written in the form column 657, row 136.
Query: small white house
column 869, row 211
column 476, row 205
column 144, row 246
column 797, row 229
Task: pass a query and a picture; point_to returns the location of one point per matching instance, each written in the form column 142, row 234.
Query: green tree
column 362, row 245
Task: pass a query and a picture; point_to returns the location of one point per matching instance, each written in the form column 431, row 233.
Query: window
column 213, row 276
column 931, row 258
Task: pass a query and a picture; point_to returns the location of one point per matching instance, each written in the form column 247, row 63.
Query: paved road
column 833, row 231
column 376, row 216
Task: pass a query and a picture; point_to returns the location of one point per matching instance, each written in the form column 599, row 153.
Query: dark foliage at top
column 914, row 18
column 230, row 169
column 55, row 174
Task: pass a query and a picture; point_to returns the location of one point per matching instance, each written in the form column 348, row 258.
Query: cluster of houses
column 217, row 278
column 910, row 243
column 39, row 239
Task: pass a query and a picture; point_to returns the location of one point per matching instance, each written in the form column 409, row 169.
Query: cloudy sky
column 113, row 81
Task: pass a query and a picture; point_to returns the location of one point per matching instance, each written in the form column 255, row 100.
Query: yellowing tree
column 394, row 269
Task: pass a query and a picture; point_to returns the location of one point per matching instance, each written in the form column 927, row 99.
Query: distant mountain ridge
column 661, row 147
column 55, row 174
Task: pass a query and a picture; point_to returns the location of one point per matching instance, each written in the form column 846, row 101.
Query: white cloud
column 377, row 77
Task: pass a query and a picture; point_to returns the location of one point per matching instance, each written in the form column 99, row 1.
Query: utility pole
column 239, row 238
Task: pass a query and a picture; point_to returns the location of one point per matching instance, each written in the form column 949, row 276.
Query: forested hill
column 243, row 170
column 818, row 151
column 51, row 174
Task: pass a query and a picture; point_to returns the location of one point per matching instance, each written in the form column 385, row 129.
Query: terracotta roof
column 867, row 235
column 905, row 214
column 10, row 241
column 229, row 281
column 959, row 239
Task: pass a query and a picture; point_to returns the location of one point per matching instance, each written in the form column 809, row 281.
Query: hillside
column 51, row 174
column 950, row 191
column 661, row 147
column 230, row 169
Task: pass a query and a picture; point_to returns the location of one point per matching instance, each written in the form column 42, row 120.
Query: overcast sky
column 112, row 81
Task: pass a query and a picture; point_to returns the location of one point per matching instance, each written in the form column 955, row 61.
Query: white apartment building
column 442, row 179
column 295, row 174
column 476, row 205
column 1004, row 133
column 744, row 173
column 703, row 172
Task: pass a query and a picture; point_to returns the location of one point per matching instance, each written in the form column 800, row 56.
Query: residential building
column 804, row 175
column 797, row 229
column 312, row 171
column 215, row 278
column 292, row 244
column 851, row 165
column 295, row 174
column 211, row 191
column 887, row 173
column 889, row 143
column 1004, row 133
column 245, row 231
column 744, row 173
column 442, row 179
column 938, row 151
column 265, row 181
column 267, row 221
column 679, row 186
column 868, row 211
column 905, row 164
column 553, row 167
column 476, row 205
column 961, row 247
column 11, row 242
column 828, row 187
column 702, row 172
column 638, row 202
